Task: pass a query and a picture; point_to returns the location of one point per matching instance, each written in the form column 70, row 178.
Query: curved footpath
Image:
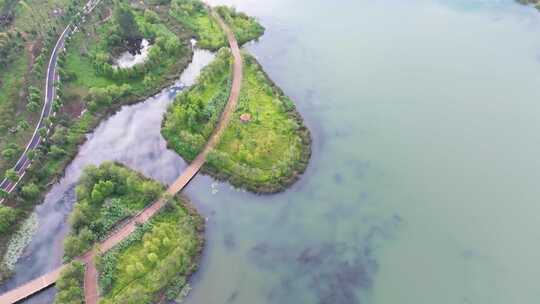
column 91, row 275
column 50, row 93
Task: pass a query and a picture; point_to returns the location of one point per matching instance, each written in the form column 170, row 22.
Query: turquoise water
column 423, row 185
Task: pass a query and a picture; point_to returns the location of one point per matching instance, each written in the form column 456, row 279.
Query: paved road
column 91, row 275
column 50, row 93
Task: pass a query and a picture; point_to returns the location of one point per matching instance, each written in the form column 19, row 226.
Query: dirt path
column 91, row 275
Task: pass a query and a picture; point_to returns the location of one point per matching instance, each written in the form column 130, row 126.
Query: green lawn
column 157, row 262
column 264, row 154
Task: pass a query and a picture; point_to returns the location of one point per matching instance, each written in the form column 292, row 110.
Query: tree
column 22, row 125
column 129, row 30
column 8, row 216
column 9, row 154
column 30, row 191
column 33, row 106
column 31, row 154
column 42, row 132
column 57, row 152
column 12, row 175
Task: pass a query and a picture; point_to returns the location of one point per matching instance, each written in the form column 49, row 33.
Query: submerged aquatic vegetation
column 20, row 240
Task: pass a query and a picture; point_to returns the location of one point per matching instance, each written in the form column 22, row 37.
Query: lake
column 422, row 187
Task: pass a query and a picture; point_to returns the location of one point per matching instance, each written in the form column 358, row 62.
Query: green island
column 265, row 147
column 155, row 261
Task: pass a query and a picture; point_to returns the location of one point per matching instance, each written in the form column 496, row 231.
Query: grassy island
column 155, row 261
column 266, row 146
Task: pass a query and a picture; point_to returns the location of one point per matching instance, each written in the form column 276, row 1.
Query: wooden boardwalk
column 91, row 275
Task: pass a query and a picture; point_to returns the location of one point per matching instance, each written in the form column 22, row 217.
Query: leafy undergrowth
column 106, row 195
column 264, row 148
column 156, row 260
column 70, row 285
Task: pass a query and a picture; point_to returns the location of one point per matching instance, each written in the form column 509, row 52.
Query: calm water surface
column 423, row 184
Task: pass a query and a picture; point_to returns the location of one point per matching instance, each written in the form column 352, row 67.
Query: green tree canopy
column 126, row 21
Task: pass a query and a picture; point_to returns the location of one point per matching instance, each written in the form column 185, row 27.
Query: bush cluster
column 105, row 196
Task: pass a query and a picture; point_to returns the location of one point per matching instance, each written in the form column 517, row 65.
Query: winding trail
column 91, row 275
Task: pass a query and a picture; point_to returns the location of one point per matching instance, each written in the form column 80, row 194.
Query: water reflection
column 132, row 137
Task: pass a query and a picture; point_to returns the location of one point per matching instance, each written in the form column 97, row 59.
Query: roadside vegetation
column 70, row 285
column 155, row 262
column 28, row 31
column 265, row 147
column 106, row 195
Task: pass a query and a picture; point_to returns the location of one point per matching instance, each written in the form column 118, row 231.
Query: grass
column 265, row 154
column 84, row 47
column 157, row 263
